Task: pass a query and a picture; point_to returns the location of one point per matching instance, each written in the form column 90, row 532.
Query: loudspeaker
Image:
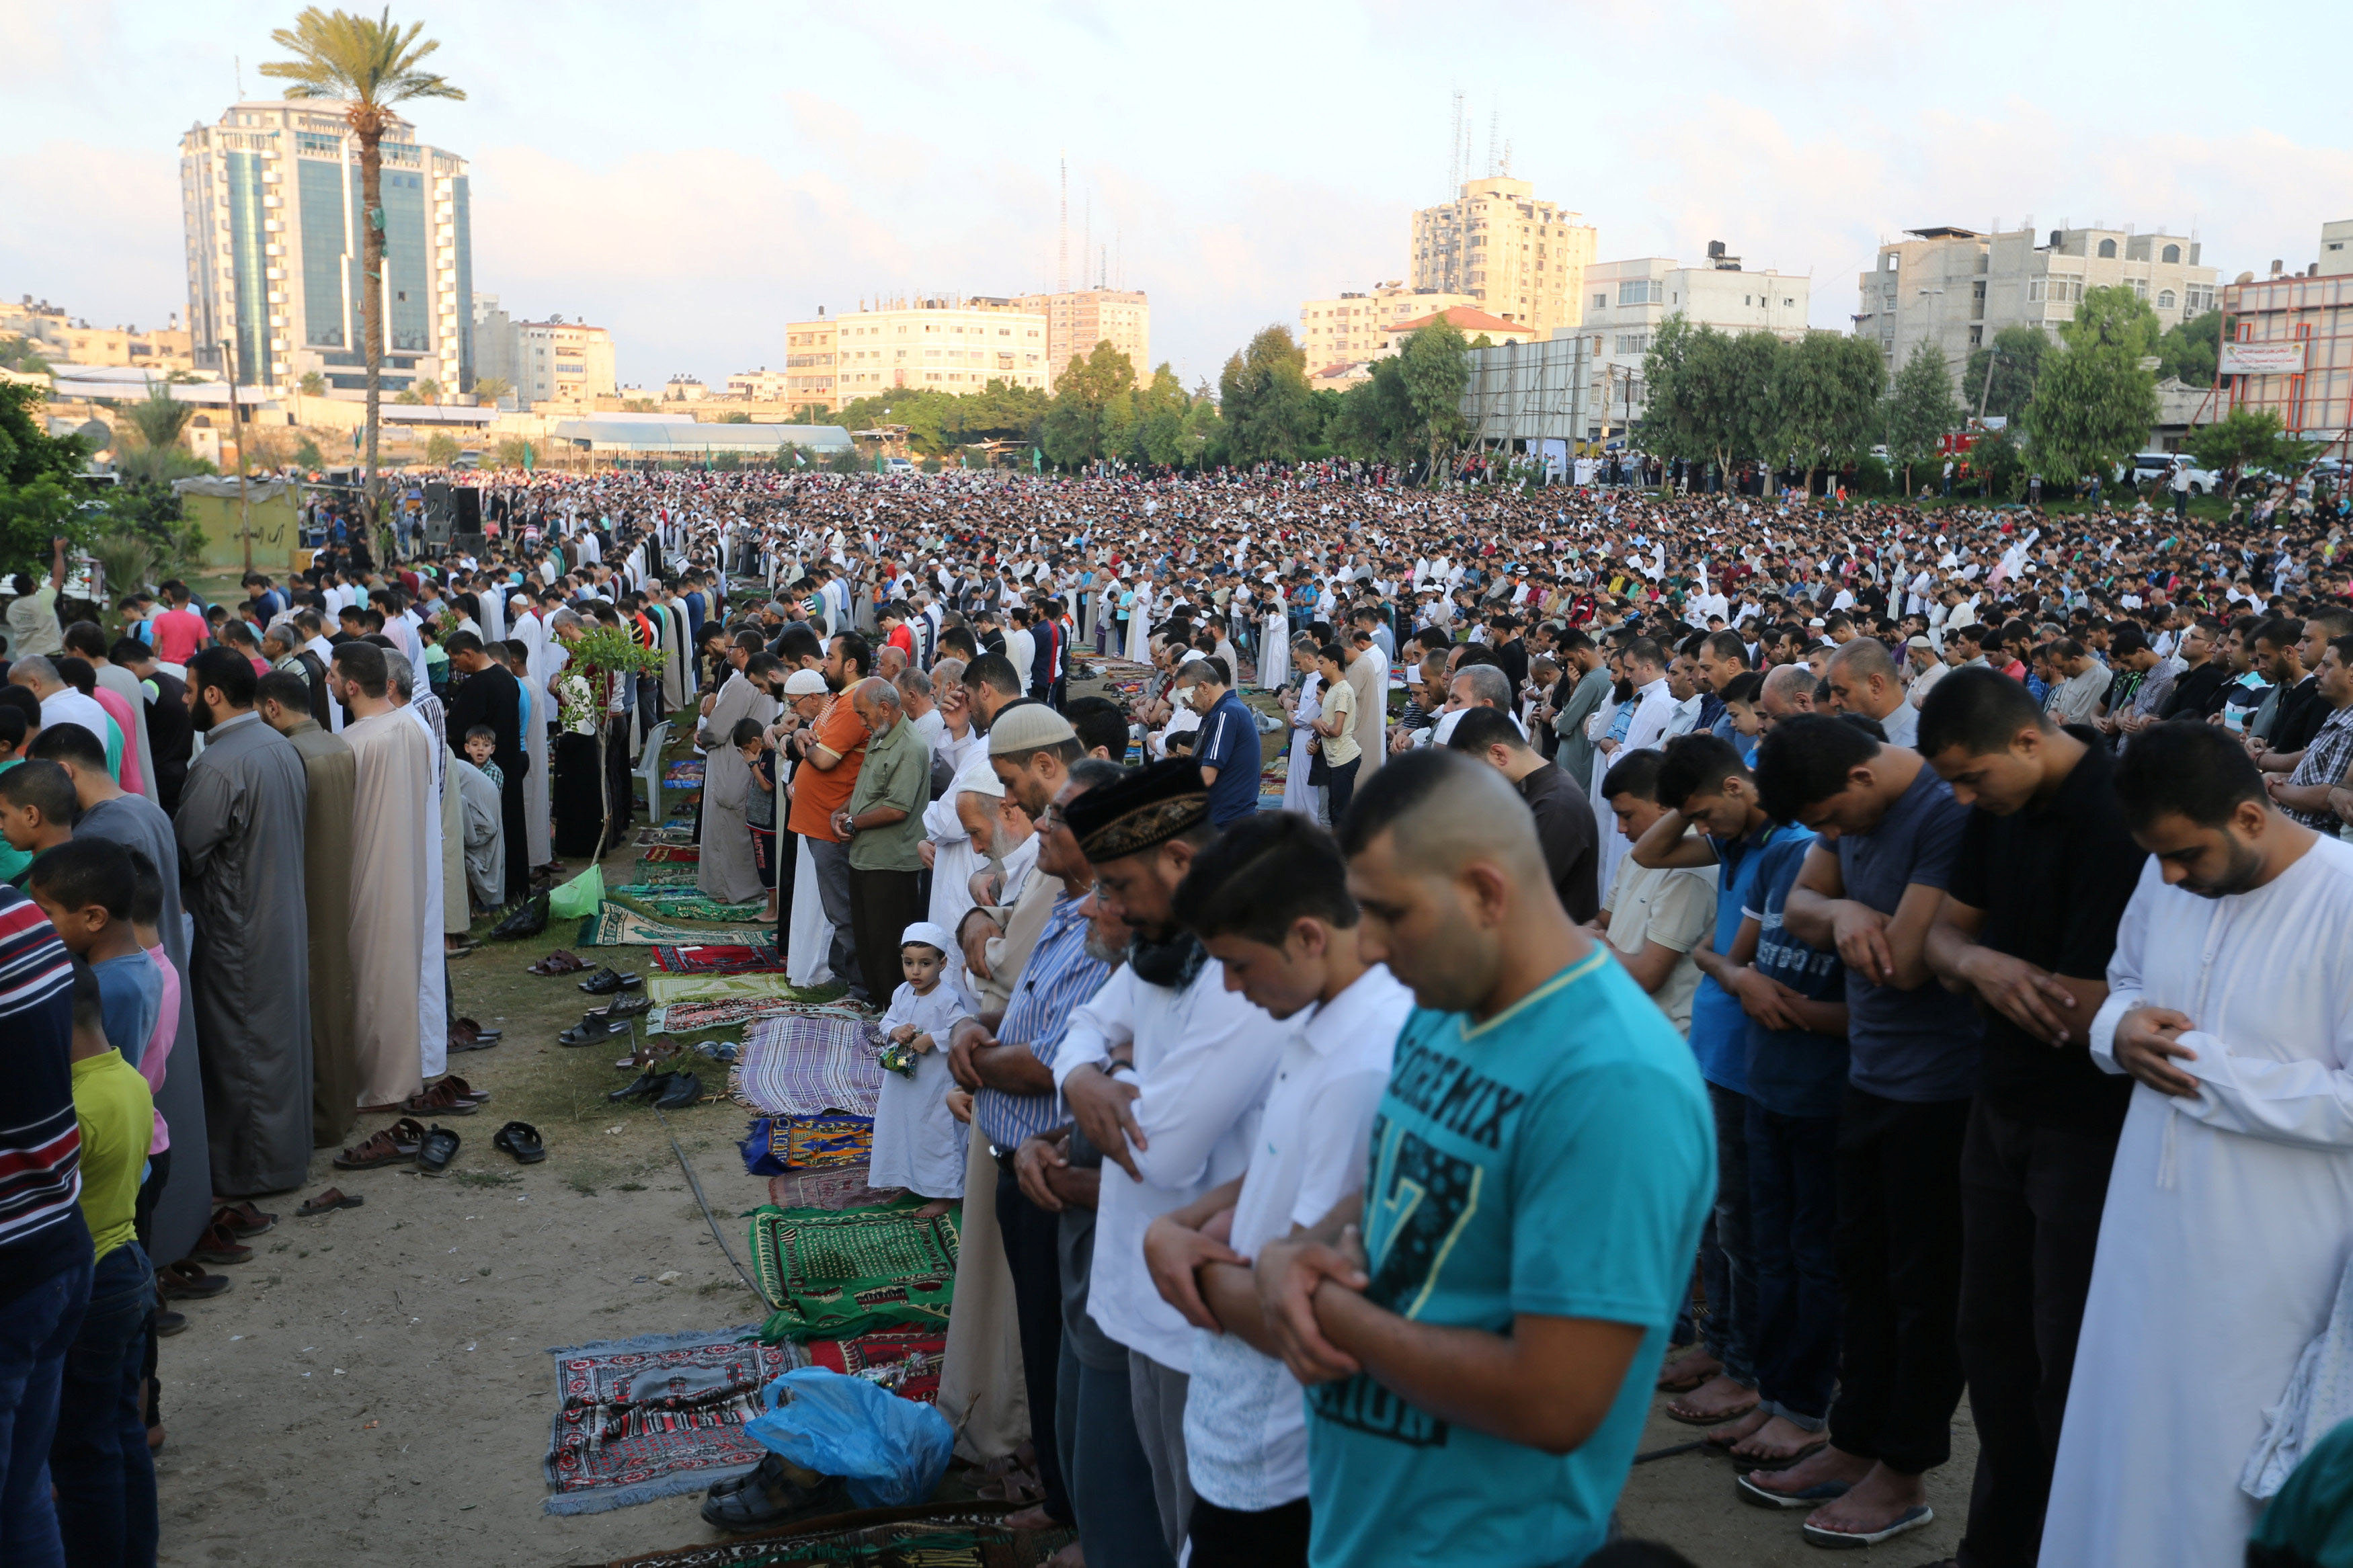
column 469, row 509
column 437, row 509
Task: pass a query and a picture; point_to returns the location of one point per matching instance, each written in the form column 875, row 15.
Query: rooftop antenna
column 1062, row 259
column 1454, row 144
column 1507, row 157
column 1086, row 236
column 1495, row 127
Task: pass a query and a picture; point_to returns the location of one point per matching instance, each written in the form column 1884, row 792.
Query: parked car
column 2146, row 465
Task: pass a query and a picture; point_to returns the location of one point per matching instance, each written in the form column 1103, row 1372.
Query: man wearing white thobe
column 2230, row 1207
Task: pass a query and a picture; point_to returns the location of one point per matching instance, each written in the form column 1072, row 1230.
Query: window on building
column 2107, row 249
column 1601, row 301
column 2140, row 286
column 2172, row 253
column 1640, row 292
column 2165, row 300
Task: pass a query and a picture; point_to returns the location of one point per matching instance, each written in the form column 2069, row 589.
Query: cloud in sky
column 697, row 178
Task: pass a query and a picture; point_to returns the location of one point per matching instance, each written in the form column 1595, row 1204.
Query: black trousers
column 1230, row 1538
column 1029, row 1236
column 619, row 784
column 2031, row 1203
column 1899, row 1245
column 512, row 818
column 883, row 905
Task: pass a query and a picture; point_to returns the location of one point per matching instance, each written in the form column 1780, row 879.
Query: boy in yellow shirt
column 99, row 1461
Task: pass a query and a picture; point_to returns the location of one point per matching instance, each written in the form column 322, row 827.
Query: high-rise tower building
column 270, row 196
column 1522, row 258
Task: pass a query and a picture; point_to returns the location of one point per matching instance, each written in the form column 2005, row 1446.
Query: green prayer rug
column 835, row 1274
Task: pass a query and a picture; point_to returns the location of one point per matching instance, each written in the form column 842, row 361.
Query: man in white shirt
column 1270, row 900
column 1165, row 1070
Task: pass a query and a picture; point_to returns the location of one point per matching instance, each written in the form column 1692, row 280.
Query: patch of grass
column 484, row 1178
column 630, row 1187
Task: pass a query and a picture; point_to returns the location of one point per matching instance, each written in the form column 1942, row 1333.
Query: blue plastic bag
column 892, row 1451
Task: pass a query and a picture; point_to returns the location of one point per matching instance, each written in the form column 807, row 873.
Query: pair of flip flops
column 242, row 1220
column 328, row 1202
column 720, row 1051
column 466, row 1035
column 563, row 961
column 606, row 980
column 521, row 1140
column 396, row 1145
column 624, row 1007
column 668, row 1091
column 439, row 1148
column 1918, row 1517
column 450, row 1097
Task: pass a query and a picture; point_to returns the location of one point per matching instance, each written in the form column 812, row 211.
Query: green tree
column 2111, row 317
column 735, row 416
column 509, row 453
column 2016, row 360
column 441, row 448
column 1205, row 429
column 1265, row 405
column 307, row 455
column 40, row 492
column 369, row 66
column 2093, row 405
column 313, row 384
column 159, row 417
column 1433, row 367
column 1160, row 409
column 1825, row 395
column 1375, row 421
column 1093, row 409
column 489, row 389
column 1999, row 463
column 2249, row 439
column 2188, row 352
column 1920, row 409
column 429, row 389
column 19, row 353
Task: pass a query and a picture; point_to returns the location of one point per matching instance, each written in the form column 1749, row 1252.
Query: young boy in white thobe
column 917, row 1144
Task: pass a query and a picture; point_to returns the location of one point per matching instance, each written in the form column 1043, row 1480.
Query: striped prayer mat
column 656, row 1416
column 800, row 1065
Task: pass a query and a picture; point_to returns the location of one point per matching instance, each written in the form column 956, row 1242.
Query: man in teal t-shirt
column 1479, row 1363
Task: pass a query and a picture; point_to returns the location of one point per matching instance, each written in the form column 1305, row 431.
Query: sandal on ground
column 188, row 1280
column 169, row 1323
column 440, row 1148
column 647, row 1082
column 529, row 918
column 396, row 1145
column 439, row 1099
column 590, row 1030
column 1813, row 1497
column 470, row 1026
column 1916, row 1517
column 520, row 1139
column 467, row 1040
column 604, row 982
column 1714, row 1418
column 242, row 1220
column 218, row 1245
column 333, row 1199
column 621, row 1007
column 1671, row 1381
column 563, row 961
column 460, row 950
column 766, row 1500
column 467, row 1091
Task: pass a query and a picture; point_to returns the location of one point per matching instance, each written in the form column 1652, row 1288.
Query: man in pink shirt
column 179, row 631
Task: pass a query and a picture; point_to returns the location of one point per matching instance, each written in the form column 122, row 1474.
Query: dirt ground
column 376, row 1388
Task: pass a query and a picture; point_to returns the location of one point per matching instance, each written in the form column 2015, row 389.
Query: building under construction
column 2287, row 344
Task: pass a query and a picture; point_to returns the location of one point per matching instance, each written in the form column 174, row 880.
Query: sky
column 693, row 175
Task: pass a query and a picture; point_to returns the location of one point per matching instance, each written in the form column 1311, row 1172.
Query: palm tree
column 429, row 389
column 489, row 389
column 370, row 65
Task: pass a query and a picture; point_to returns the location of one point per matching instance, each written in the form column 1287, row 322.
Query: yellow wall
column 277, row 538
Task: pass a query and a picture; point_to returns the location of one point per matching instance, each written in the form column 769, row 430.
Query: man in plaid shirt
column 2303, row 793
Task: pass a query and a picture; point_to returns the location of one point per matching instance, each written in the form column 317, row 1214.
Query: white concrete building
column 1958, row 288
column 1625, row 302
column 1515, row 255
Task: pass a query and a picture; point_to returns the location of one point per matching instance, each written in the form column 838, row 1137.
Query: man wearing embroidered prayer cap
column 1166, row 1071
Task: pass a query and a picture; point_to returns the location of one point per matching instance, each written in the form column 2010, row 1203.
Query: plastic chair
column 649, row 770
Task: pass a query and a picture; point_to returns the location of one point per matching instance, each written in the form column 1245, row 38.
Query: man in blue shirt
column 1227, row 745
column 1480, row 1327
column 1703, row 785
column 1888, row 832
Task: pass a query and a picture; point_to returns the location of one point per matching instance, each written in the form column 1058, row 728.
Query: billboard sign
column 2263, row 359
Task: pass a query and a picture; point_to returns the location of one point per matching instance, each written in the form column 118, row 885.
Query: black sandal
column 683, row 1090
column 440, row 1148
column 529, row 918
column 591, row 1030
column 520, row 1139
column 604, row 982
column 764, row 1499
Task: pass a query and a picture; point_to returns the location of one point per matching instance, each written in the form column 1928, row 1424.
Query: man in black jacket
column 490, row 695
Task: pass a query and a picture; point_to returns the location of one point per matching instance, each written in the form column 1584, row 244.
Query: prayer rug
column 716, row 958
column 908, row 1365
column 838, row 1188
column 656, row 1416
column 678, row 874
column 780, row 1143
column 936, row 1535
column 614, row 925
column 686, row 1017
column 670, row 901
column 684, row 773
column 686, row 852
column 649, row 836
column 836, row 1276
column 800, row 1065
column 669, row 988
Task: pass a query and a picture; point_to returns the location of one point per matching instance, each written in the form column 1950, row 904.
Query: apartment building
column 272, row 211
column 1957, row 288
column 1078, row 319
column 1627, row 301
column 954, row 343
column 1349, row 328
column 2287, row 342
column 1513, row 255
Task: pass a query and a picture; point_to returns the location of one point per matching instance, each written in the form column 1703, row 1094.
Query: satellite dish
column 97, row 435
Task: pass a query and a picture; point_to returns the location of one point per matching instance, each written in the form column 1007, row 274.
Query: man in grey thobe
column 240, row 826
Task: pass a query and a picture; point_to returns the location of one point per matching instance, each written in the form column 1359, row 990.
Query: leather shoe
column 647, row 1082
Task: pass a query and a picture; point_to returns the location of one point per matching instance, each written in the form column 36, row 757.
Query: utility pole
column 1986, row 391
column 236, row 428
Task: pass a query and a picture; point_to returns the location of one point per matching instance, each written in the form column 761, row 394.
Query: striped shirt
column 1059, row 976
column 41, row 1230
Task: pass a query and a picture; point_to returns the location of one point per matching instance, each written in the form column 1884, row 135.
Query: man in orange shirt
column 831, row 751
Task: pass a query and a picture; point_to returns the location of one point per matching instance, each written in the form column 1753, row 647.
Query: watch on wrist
column 1116, row 1065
